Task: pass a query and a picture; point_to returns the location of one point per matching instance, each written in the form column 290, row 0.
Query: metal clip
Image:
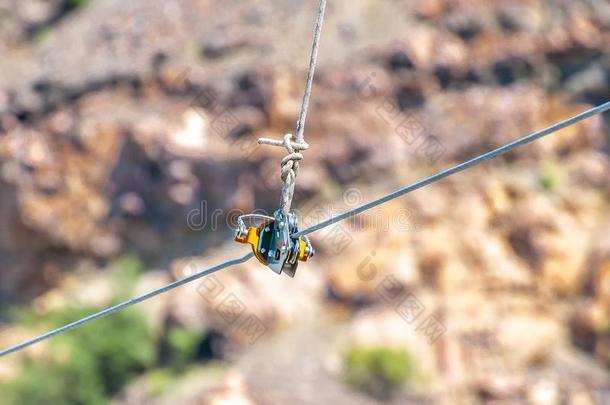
column 272, row 243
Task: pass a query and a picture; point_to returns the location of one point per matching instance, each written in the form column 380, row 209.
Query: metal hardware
column 271, row 241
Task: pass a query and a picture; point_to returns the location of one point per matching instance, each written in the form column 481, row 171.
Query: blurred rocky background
column 128, row 146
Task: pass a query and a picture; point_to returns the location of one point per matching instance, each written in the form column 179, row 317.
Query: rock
column 285, row 99
column 529, row 338
column 592, row 314
column 232, row 391
column 245, row 302
column 192, row 138
column 382, row 249
column 131, row 203
column 589, row 168
column 543, row 392
column 61, row 122
column 551, row 242
column 421, row 48
column 599, row 260
column 497, row 197
column 580, row 397
column 602, row 284
column 585, row 135
column 430, row 203
column 431, row 9
column 220, row 45
column 500, row 386
column 182, row 194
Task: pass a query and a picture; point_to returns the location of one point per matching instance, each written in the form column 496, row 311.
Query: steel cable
column 125, row 304
column 429, row 180
column 456, row 169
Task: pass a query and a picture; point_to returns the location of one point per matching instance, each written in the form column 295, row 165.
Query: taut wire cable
column 126, row 304
column 289, row 169
column 457, row 168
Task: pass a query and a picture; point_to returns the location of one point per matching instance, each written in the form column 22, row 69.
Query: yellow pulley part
column 252, row 238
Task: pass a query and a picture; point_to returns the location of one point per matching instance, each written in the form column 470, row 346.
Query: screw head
column 309, row 251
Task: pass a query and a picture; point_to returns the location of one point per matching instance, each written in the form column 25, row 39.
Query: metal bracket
column 272, row 243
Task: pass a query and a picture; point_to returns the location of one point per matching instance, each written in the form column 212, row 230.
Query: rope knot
column 289, row 166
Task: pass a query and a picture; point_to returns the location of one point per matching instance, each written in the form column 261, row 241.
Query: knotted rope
column 290, row 163
column 289, row 166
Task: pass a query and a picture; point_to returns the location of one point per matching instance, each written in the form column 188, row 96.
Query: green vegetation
column 76, row 4
column 183, row 345
column 44, row 31
column 378, row 371
column 91, row 363
column 127, row 270
column 43, row 34
column 158, row 381
column 550, row 175
column 87, row 365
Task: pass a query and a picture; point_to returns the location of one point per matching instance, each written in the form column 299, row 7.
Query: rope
column 289, row 167
column 295, row 145
column 310, row 72
column 458, row 168
column 125, row 304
